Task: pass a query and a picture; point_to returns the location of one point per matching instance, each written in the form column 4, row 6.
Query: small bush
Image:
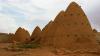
column 28, row 45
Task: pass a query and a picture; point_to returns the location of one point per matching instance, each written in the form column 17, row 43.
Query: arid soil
column 69, row 34
column 42, row 51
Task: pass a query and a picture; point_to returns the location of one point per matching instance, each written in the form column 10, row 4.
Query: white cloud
column 29, row 13
column 7, row 24
column 14, row 1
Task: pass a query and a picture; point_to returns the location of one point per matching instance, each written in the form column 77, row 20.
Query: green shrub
column 28, row 45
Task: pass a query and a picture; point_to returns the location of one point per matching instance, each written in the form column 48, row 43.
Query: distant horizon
column 29, row 13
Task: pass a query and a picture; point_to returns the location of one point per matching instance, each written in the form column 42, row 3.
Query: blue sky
column 30, row 13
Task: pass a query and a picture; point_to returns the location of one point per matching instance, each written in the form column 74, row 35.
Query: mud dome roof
column 70, row 29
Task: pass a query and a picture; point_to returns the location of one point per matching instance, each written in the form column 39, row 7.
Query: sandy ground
column 45, row 51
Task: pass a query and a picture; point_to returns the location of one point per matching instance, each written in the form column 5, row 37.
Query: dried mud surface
column 43, row 51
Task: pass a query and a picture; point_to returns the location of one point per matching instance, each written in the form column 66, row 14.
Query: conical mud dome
column 36, row 35
column 22, row 35
column 47, row 26
column 70, row 29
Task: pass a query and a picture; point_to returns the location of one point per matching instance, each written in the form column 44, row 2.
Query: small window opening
column 68, row 35
column 76, row 35
column 71, row 14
